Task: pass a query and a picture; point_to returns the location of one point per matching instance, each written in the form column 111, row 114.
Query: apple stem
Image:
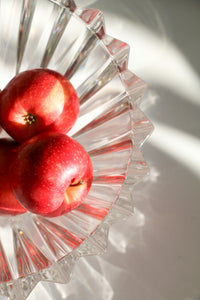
column 29, row 118
column 78, row 183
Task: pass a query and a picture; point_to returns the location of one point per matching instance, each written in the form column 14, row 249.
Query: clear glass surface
column 111, row 127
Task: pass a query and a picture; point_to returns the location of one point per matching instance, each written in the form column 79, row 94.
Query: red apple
column 36, row 101
column 8, row 202
column 51, row 174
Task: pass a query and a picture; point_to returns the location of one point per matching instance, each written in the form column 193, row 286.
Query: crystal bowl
column 71, row 40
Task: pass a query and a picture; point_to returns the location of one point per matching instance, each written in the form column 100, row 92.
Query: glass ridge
column 111, row 127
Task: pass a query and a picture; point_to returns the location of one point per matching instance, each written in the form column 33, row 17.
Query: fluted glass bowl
column 71, row 40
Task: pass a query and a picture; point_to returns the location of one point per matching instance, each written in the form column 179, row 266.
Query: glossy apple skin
column 51, row 174
column 43, row 95
column 8, row 202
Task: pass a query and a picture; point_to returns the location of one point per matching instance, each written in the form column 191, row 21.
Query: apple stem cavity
column 29, row 118
column 77, row 183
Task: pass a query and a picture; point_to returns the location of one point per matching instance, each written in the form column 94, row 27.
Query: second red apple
column 51, row 175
